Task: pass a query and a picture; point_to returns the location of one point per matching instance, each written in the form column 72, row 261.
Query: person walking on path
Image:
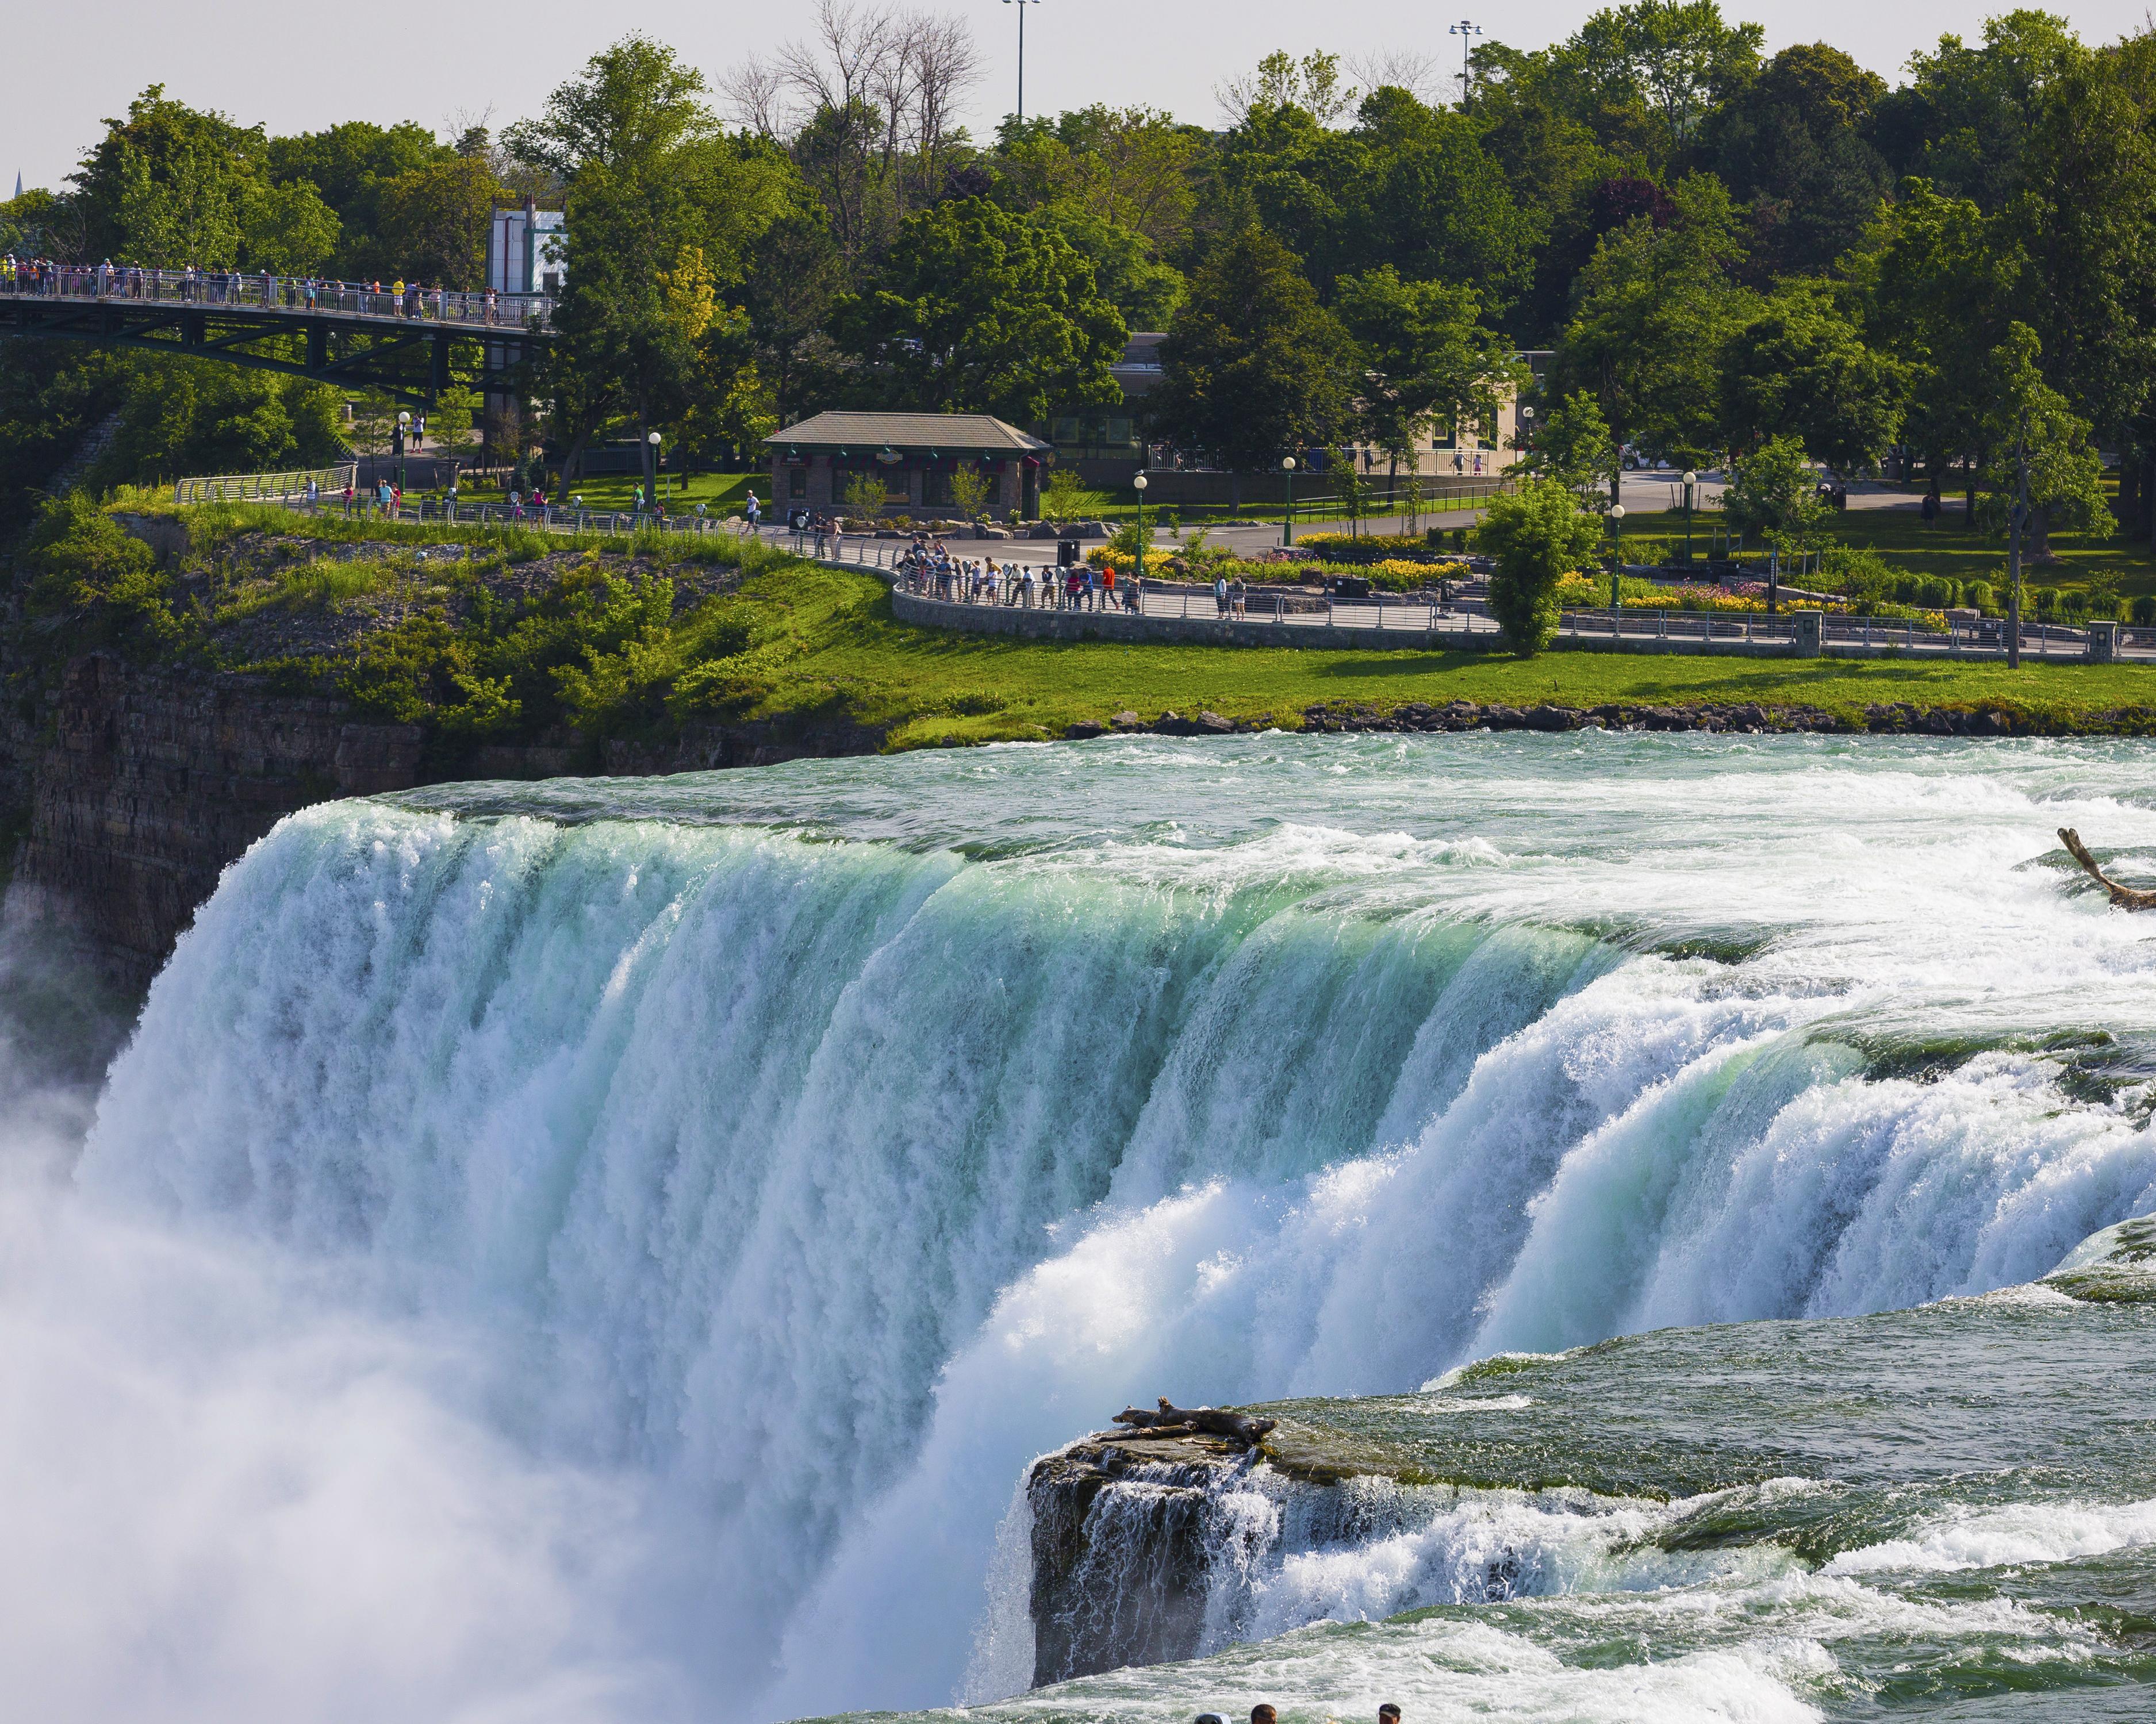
column 755, row 512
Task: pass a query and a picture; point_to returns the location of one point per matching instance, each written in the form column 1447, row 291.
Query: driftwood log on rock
column 2125, row 897
column 1170, row 1420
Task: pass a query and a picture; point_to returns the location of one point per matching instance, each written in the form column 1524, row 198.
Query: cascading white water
column 807, row 1182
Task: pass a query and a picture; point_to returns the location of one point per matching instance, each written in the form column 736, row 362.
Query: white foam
column 2013, row 1534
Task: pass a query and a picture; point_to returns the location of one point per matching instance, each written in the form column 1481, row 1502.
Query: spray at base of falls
column 807, row 1190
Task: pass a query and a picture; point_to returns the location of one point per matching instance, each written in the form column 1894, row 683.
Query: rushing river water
column 610, row 1249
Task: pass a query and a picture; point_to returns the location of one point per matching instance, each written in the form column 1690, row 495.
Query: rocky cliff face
column 133, row 787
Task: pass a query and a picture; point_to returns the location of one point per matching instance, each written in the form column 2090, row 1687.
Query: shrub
column 2144, row 610
column 1977, row 595
column 1937, row 593
column 1537, row 535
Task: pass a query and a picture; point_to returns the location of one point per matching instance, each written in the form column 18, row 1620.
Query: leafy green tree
column 1938, row 279
column 1653, row 310
column 187, row 213
column 433, row 220
column 1667, row 61
column 1572, row 447
column 661, row 211
column 1794, row 144
column 350, row 165
column 1253, row 365
column 1125, row 272
column 2033, row 427
column 1800, row 368
column 1773, row 491
column 287, row 229
column 1537, row 535
column 167, row 175
column 1135, row 168
column 1423, row 356
column 1965, row 119
column 977, row 311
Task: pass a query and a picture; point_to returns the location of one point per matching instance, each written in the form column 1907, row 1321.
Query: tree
column 1253, row 365
column 977, row 311
column 1774, row 492
column 1537, row 535
column 661, row 211
column 1572, row 447
column 1800, row 368
column 1794, row 145
column 1671, row 61
column 1937, row 280
column 1423, row 354
column 286, row 229
column 433, row 220
column 2033, row 429
column 1126, row 272
column 1653, row 310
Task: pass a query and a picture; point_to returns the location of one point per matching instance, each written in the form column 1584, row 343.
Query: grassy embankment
column 526, row 636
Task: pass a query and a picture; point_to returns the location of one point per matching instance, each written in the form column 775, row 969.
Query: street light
column 1021, row 5
column 653, row 439
column 1138, row 484
column 1691, row 478
column 1466, row 29
column 1616, row 557
column 403, row 431
column 1287, row 527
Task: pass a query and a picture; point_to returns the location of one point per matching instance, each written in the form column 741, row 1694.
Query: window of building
column 797, row 481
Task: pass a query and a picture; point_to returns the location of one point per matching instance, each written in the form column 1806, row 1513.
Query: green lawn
column 1947, row 548
column 934, row 686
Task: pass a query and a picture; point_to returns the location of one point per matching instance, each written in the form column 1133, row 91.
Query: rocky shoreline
column 1895, row 718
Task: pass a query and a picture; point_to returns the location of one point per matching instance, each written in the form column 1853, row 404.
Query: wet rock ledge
column 1127, row 1524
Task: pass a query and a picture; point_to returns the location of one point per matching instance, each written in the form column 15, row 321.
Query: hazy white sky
column 300, row 68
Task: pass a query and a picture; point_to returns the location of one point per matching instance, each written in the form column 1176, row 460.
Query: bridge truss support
column 413, row 362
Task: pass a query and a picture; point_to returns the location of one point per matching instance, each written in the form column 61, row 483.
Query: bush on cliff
column 85, row 567
column 1536, row 536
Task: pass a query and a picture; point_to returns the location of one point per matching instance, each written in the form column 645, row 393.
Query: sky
column 302, row 70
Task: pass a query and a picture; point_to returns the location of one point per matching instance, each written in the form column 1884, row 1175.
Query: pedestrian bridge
column 411, row 347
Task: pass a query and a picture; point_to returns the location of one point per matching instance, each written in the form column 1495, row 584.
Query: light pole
column 1466, row 29
column 1691, row 478
column 403, row 435
column 653, row 439
column 1616, row 558
column 1021, row 5
column 1138, row 484
column 1287, row 527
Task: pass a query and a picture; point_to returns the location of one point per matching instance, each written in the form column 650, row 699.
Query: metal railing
column 266, row 487
column 213, row 290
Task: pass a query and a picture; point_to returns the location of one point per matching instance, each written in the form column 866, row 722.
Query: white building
column 526, row 250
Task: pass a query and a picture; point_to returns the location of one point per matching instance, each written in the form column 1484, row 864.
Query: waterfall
column 806, row 1186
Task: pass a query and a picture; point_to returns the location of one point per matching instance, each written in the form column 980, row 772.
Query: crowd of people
column 1388, row 1713
column 928, row 567
column 190, row 286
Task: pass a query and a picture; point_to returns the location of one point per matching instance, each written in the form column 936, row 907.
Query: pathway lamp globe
column 1287, row 528
column 653, row 439
column 1138, row 484
column 1616, row 555
column 1691, row 478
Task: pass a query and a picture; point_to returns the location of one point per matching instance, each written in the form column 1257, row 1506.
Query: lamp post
column 1691, row 478
column 1467, row 29
column 1616, row 557
column 1138, row 484
column 403, row 435
column 1021, row 5
column 1287, row 527
column 653, row 439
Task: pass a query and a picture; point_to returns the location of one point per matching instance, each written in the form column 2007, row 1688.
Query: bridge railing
column 213, row 290
column 266, row 487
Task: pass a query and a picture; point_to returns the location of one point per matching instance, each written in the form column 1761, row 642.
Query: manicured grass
column 934, row 686
column 1945, row 547
column 716, row 491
